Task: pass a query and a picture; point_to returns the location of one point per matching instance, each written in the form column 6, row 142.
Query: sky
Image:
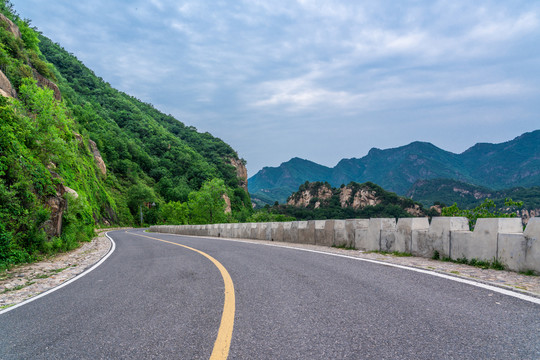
column 319, row 80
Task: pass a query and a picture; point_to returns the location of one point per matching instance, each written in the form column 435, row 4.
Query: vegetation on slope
column 468, row 196
column 321, row 201
column 52, row 190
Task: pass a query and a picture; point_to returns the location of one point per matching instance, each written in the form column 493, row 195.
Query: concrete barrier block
column 253, row 230
column 460, row 244
column 306, row 232
column 532, row 236
column 213, row 230
column 245, row 231
column 277, row 231
column 354, row 226
column 290, row 232
column 512, row 251
column 388, row 240
column 440, row 236
column 324, row 232
column 268, row 231
column 486, row 234
column 406, row 229
column 227, row 231
column 340, row 233
column 375, row 229
column 236, row 229
column 260, row 231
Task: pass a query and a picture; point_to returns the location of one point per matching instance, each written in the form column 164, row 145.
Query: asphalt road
column 153, row 299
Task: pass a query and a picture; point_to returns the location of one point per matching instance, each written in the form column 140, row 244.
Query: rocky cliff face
column 527, row 214
column 92, row 147
column 10, row 26
column 241, row 173
column 304, row 198
column 97, row 157
column 357, row 199
column 6, row 89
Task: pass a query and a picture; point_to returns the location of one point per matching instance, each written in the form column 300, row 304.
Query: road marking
column 496, row 289
column 224, row 337
column 111, row 250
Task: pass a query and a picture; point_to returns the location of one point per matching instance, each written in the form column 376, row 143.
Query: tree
column 175, row 213
column 207, row 205
column 487, row 209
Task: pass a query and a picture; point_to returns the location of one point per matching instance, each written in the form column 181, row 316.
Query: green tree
column 175, row 213
column 207, row 205
column 487, row 209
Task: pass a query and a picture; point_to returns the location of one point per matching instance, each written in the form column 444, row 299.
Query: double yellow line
column 224, row 337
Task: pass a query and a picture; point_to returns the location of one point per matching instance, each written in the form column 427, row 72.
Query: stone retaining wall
column 492, row 239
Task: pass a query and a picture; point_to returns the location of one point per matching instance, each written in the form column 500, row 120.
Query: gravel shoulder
column 25, row 281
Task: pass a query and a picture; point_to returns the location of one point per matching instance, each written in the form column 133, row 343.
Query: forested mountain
column 467, row 196
column 498, row 166
column 319, row 200
column 76, row 153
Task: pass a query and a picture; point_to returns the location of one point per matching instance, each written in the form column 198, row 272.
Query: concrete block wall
column 492, row 239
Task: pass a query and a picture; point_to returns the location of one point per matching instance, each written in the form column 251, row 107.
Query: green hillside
column 514, row 163
column 467, row 196
column 76, row 153
column 319, row 200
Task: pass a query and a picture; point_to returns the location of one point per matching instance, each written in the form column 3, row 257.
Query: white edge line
column 428, row 272
column 111, row 250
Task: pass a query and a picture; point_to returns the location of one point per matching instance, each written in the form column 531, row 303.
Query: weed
column 528, row 273
column 56, row 271
column 394, row 253
column 344, row 247
column 455, row 272
column 42, row 276
column 436, row 255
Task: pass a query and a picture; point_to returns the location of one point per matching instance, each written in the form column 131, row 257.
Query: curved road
column 155, row 299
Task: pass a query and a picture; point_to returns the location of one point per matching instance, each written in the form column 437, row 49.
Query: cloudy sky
column 321, row 80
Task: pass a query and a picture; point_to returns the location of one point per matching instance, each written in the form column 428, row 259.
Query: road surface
column 156, row 299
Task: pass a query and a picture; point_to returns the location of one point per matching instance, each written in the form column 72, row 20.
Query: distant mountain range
column 495, row 166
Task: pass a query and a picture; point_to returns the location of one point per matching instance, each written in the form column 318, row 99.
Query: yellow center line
column 223, row 340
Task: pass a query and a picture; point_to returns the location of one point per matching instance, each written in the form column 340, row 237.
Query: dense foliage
column 388, row 204
column 154, row 162
column 498, row 166
column 487, row 209
column 468, row 196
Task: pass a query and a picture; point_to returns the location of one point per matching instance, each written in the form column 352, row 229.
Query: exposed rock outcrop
column 43, row 82
column 97, row 157
column 95, row 151
column 228, row 208
column 241, row 172
column 527, row 214
column 57, row 205
column 10, row 26
column 361, row 198
column 6, row 89
column 415, row 210
column 322, row 193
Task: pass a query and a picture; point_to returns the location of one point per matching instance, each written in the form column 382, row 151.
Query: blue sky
column 321, row 80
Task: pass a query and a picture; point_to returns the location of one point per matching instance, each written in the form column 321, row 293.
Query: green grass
column 344, row 247
column 393, row 253
column 528, row 273
column 483, row 264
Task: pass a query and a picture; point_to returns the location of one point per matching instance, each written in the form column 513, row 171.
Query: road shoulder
column 26, row 281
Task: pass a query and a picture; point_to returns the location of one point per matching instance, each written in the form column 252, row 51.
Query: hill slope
column 509, row 164
column 318, row 200
column 75, row 153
